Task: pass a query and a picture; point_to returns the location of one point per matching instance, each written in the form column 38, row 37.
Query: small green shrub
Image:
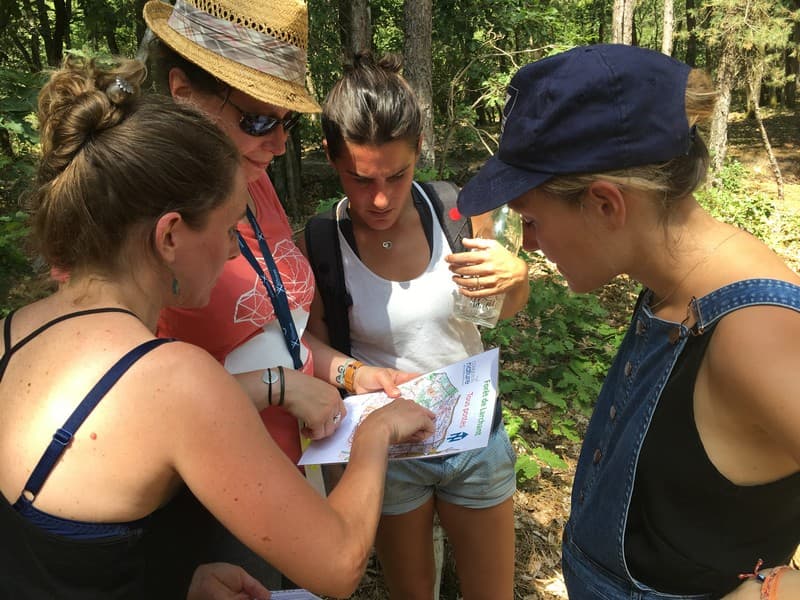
column 557, row 353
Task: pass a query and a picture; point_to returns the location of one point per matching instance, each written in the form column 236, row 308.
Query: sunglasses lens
column 257, row 125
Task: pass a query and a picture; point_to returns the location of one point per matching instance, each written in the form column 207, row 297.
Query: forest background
column 459, row 56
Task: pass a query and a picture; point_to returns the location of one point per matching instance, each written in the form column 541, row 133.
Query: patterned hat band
column 259, row 51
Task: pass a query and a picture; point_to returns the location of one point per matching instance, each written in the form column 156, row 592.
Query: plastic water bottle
column 505, row 227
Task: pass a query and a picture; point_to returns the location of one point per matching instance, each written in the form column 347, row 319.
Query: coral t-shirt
column 239, row 326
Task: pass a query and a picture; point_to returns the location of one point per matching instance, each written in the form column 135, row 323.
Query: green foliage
column 730, row 202
column 432, row 173
column 13, row 263
column 556, row 355
column 18, row 136
column 324, row 204
column 531, row 460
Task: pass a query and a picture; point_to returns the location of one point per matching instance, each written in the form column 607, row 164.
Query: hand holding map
column 462, row 395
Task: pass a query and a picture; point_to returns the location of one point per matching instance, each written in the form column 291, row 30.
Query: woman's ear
column 179, row 85
column 607, row 202
column 166, row 236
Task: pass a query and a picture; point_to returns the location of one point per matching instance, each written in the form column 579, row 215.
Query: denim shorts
column 479, row 478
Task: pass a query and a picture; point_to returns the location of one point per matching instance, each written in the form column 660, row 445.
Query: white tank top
column 408, row 325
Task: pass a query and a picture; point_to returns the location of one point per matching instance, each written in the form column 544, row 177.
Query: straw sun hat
column 256, row 46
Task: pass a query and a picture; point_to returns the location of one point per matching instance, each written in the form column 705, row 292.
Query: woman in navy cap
column 690, row 469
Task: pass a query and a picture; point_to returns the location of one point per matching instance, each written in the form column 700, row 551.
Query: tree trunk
column 792, row 64
column 111, row 38
column 284, row 171
column 773, row 163
column 60, row 29
column 418, row 69
column 691, row 35
column 755, row 76
column 68, row 18
column 669, row 22
column 718, row 138
column 355, row 26
column 44, row 31
column 141, row 27
column 622, row 21
column 617, row 21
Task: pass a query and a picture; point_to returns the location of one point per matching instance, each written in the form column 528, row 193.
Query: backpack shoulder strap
column 325, row 255
column 443, row 196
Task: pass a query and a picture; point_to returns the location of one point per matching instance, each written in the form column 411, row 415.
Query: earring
column 176, row 287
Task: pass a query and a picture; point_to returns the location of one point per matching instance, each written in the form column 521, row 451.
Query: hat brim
column 261, row 86
column 496, row 184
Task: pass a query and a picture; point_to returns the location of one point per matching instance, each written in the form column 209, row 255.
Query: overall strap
column 63, row 436
column 749, row 292
column 10, row 350
column 325, row 256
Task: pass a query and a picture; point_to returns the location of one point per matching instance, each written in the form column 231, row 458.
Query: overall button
column 612, row 412
column 597, row 456
column 628, row 369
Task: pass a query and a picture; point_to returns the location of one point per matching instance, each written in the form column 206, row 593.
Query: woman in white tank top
column 400, row 273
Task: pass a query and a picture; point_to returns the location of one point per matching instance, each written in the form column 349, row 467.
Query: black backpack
column 325, row 256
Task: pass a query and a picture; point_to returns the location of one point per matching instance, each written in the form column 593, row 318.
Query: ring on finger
column 478, row 281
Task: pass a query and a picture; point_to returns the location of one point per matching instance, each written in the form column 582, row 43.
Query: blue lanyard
column 275, row 289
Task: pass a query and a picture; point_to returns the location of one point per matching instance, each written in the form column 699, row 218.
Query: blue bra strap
column 63, row 436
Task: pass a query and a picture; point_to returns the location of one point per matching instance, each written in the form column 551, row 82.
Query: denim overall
column 593, row 557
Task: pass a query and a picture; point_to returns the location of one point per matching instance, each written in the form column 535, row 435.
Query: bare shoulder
column 187, row 380
column 757, row 339
column 752, row 362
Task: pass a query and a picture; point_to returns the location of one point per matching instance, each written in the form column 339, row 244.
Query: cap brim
column 497, row 183
column 258, row 85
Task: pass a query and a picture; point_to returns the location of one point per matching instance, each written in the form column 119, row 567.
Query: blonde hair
column 113, row 160
column 668, row 181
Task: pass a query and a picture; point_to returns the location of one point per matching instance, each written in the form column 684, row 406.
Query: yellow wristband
column 347, row 374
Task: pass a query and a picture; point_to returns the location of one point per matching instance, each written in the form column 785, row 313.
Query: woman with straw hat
column 101, row 422
column 243, row 62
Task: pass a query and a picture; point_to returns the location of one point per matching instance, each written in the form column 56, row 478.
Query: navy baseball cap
column 588, row 110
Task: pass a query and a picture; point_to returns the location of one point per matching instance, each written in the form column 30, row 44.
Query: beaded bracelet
column 347, row 373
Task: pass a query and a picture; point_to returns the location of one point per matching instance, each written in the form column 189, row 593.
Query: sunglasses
column 257, row 125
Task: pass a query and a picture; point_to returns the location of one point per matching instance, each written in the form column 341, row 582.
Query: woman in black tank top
column 101, row 423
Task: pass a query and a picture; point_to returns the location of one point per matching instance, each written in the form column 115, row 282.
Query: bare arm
column 219, row 447
column 745, row 395
column 746, row 409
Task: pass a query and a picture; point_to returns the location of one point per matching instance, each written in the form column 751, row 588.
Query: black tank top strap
column 63, row 436
column 9, row 350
